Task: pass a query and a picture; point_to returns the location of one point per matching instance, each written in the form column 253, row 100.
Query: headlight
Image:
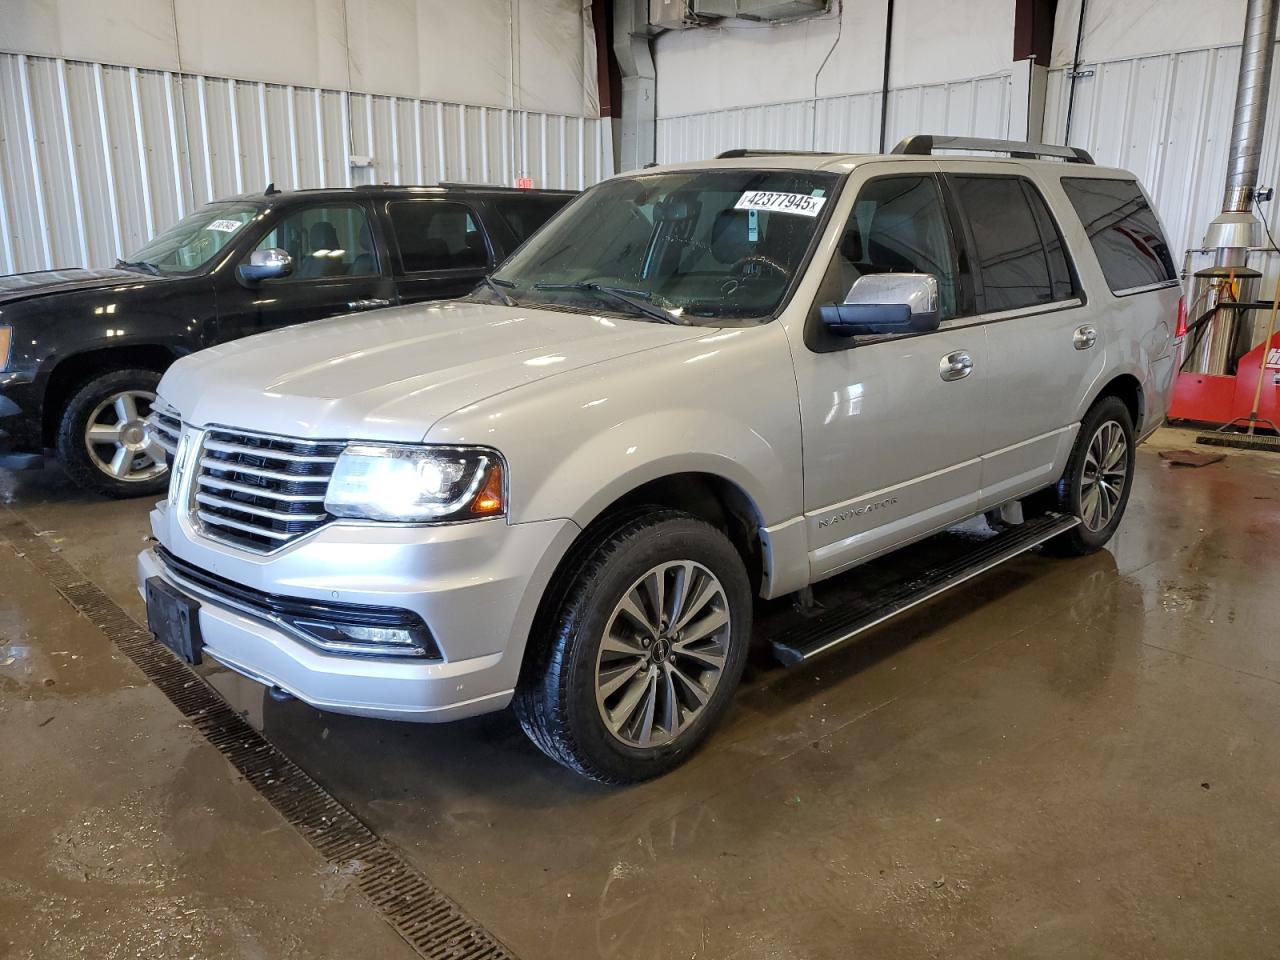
column 417, row 484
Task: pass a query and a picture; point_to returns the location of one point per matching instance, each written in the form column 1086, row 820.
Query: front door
column 337, row 268
column 1045, row 352
column 892, row 426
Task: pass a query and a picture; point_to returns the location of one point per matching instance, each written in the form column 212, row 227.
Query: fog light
column 380, row 641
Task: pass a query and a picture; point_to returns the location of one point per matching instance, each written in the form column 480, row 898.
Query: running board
column 838, row 625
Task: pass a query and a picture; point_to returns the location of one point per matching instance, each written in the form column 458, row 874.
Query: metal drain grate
column 430, row 922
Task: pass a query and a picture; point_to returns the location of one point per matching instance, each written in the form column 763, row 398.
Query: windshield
column 194, row 240
column 695, row 246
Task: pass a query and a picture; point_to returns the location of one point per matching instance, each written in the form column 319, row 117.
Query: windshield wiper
column 142, row 265
column 496, row 286
column 636, row 299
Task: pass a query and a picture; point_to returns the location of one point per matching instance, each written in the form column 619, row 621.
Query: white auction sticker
column 801, row 203
column 225, row 226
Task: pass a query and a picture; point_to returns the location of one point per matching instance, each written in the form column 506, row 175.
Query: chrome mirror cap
column 266, row 265
column 882, row 304
column 919, row 291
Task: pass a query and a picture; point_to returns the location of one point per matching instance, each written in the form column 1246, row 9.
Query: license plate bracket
column 174, row 619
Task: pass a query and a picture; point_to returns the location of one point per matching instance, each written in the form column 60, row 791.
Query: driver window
column 899, row 225
column 325, row 242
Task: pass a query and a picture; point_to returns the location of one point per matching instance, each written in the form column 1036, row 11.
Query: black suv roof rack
column 738, row 152
column 924, row 144
column 497, row 188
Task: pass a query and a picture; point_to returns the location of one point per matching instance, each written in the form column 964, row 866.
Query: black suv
column 81, row 351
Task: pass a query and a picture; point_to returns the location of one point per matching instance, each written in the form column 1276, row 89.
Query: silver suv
column 697, row 384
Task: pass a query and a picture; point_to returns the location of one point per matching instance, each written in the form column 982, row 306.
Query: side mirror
column 885, row 303
column 265, row 265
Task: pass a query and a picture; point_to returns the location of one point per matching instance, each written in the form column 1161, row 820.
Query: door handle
column 372, row 303
column 955, row 366
column 1084, row 337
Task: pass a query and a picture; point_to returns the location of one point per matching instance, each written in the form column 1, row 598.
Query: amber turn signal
column 489, row 498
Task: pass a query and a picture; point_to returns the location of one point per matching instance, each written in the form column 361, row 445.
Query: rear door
column 440, row 248
column 1044, row 349
column 523, row 214
column 338, row 267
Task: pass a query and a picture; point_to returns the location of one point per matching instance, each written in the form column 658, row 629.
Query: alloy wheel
column 1105, row 473
column 663, row 653
column 116, row 439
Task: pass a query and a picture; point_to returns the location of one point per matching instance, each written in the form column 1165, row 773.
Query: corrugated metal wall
column 1168, row 119
column 976, row 107
column 95, row 159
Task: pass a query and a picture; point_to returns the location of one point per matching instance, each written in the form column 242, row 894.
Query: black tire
column 74, row 451
column 1066, row 495
column 556, row 699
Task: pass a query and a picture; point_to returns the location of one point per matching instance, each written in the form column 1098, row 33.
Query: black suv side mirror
column 885, row 303
column 265, row 265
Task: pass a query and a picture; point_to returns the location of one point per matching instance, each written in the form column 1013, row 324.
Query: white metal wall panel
column 96, row 159
column 1167, row 118
column 976, row 107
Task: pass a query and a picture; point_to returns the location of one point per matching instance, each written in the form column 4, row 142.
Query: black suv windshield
column 195, row 239
column 697, row 245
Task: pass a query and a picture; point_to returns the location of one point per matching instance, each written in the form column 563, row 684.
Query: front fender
column 608, row 465
column 723, row 404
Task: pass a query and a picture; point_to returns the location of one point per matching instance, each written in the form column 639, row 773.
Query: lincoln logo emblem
column 180, row 459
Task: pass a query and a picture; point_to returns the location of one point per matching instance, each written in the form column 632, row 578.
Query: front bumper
column 476, row 586
column 20, row 429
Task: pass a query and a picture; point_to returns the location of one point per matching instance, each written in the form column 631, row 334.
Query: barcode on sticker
column 800, row 203
column 224, row 226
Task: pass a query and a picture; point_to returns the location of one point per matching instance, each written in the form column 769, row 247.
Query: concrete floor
column 1061, row 759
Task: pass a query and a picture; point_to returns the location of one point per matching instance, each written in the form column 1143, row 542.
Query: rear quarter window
column 524, row 215
column 1124, row 232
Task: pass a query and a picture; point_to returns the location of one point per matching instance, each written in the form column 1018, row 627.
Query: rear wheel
column 645, row 649
column 101, row 441
column 1098, row 480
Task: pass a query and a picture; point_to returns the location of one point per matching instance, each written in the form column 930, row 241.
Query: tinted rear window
column 1124, row 232
column 437, row 235
column 526, row 214
column 1020, row 257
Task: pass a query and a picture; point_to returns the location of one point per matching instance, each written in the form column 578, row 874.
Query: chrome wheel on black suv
column 101, row 440
column 640, row 657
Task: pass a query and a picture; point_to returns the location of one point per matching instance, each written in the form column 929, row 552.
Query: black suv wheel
column 100, row 436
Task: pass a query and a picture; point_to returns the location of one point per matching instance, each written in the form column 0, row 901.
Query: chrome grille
column 259, row 492
column 163, row 428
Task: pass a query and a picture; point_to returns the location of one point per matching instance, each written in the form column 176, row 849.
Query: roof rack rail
column 738, row 152
column 924, row 144
column 498, row 188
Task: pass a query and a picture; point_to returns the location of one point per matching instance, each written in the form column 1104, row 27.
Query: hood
column 24, row 286
column 390, row 375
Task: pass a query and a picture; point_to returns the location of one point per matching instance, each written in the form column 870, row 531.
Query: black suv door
column 440, row 248
column 339, row 266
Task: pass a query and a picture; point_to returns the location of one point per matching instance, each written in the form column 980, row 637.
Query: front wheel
column 101, row 441
column 644, row 651
column 1098, row 480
